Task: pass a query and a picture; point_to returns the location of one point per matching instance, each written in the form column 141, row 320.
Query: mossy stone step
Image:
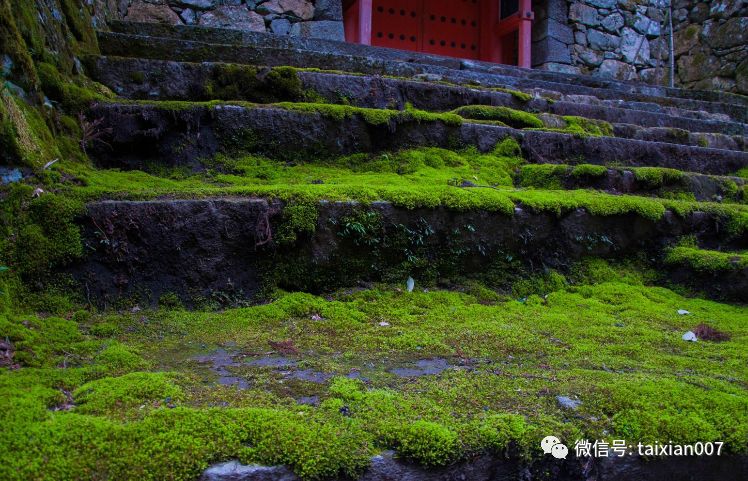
column 640, row 181
column 248, row 245
column 236, row 37
column 128, row 45
column 183, row 133
column 148, row 79
column 718, row 273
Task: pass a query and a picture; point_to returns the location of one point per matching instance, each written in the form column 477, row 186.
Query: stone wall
column 711, row 44
column 629, row 40
column 623, row 39
column 308, row 18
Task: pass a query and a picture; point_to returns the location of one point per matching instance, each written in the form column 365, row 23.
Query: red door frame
column 493, row 28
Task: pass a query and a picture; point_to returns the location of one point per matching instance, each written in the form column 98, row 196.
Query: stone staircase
column 607, row 168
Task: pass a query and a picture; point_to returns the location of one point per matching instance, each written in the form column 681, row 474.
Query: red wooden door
column 452, row 27
column 444, row 27
column 397, row 24
column 491, row 30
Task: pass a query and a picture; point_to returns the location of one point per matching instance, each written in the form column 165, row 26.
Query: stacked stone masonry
column 621, row 39
column 630, row 40
column 308, row 18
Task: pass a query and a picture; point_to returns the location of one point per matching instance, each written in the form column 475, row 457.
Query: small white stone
column 690, row 337
column 410, row 284
column 384, row 324
column 683, row 312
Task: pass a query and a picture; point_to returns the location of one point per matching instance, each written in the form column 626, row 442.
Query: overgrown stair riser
column 227, row 36
column 151, row 248
column 180, row 50
column 145, row 79
column 181, row 134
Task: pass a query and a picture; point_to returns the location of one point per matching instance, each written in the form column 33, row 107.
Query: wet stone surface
column 226, row 368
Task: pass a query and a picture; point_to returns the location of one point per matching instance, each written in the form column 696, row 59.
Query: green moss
column 521, row 96
column 585, row 126
column 245, row 82
column 112, row 395
column 427, row 443
column 373, row 116
column 75, row 94
column 298, row 219
column 517, row 119
column 13, row 44
column 543, row 176
column 589, row 170
column 24, row 133
column 742, row 173
column 539, row 285
column 706, row 260
column 655, row 177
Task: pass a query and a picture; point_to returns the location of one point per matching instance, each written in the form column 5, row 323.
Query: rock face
column 711, row 44
column 629, row 40
column 239, row 18
column 151, row 247
column 624, row 40
column 306, row 18
column 386, row 467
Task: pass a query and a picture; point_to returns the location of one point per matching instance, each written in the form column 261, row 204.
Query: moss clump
column 589, row 170
column 543, row 176
column 706, row 260
column 112, row 395
column 40, row 233
column 24, row 134
column 654, row 177
column 521, row 96
column 517, row 119
column 427, row 443
column 75, row 94
column 585, row 126
column 298, row 219
column 245, row 82
column 373, row 116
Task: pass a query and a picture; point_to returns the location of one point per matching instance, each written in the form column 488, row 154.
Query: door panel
column 397, row 24
column 451, row 27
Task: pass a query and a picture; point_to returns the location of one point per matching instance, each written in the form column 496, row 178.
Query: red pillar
column 357, row 20
column 525, row 33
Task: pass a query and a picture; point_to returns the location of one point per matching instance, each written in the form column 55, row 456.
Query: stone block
column 302, row 9
column 602, row 3
column 550, row 50
column 617, row 70
column 584, row 14
column 634, row 47
column 552, row 28
column 235, row 17
column 613, row 23
column 280, row 26
column 602, row 41
column 326, row 29
column 141, row 11
column 328, row 10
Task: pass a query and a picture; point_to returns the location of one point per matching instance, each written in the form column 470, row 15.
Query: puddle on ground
column 272, row 361
column 424, row 367
column 221, row 360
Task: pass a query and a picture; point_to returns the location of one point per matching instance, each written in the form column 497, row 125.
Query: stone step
column 146, row 79
column 197, row 247
column 166, row 48
column 182, row 133
column 643, row 182
column 238, row 37
column 722, row 275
